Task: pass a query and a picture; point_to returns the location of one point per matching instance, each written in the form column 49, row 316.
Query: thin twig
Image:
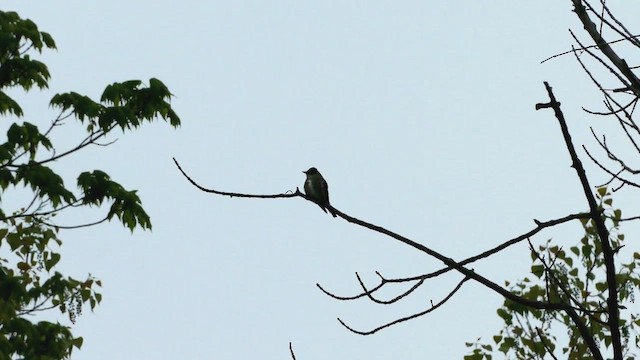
column 584, row 48
column 544, row 343
column 69, row 227
column 410, row 317
column 293, row 356
column 231, row 194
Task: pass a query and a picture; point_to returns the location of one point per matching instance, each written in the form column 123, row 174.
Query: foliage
column 29, row 240
column 575, row 277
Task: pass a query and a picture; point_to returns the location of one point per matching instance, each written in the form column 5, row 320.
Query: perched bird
column 317, row 189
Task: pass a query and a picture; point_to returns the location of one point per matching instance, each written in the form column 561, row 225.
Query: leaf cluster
column 29, row 236
column 17, row 68
column 125, row 105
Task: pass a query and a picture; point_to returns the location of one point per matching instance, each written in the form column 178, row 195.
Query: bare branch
column 603, row 234
column 611, row 111
column 624, row 32
column 614, row 175
column 632, row 37
column 541, row 225
column 293, row 356
column 387, row 302
column 397, row 321
column 611, row 155
column 603, row 45
column 44, row 213
column 421, row 278
column 622, row 80
column 90, row 139
column 630, row 218
column 624, row 124
column 545, row 344
column 458, row 267
column 230, row 194
column 72, row 226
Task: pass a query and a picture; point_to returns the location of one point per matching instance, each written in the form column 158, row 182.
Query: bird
column 317, row 189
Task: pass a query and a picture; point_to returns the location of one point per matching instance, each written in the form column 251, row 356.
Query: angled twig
column 545, row 344
column 397, row 321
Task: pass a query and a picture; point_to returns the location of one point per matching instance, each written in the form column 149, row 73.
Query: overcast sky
column 419, row 114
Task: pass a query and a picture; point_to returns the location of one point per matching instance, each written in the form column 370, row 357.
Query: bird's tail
column 332, row 210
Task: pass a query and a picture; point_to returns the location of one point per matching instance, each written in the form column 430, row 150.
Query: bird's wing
column 325, row 189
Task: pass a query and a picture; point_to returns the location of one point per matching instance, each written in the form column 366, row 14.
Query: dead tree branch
column 603, row 232
column 420, row 279
column 293, row 355
column 410, row 317
column 603, row 45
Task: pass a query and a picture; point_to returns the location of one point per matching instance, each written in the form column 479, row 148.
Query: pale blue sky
column 420, row 115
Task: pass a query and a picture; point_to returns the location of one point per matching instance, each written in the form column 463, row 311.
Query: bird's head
column 311, row 171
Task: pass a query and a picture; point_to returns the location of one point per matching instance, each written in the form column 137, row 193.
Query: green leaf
column 617, row 214
column 507, row 345
column 573, row 272
column 85, row 294
column 8, row 106
column 77, row 342
column 517, row 330
column 568, row 260
column 14, row 241
column 533, row 255
column 48, row 40
column 504, row 315
column 586, row 250
column 537, row 270
column 55, row 258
